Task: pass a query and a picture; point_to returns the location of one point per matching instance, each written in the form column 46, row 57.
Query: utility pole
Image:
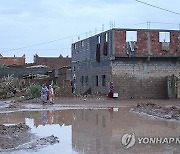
column 148, row 24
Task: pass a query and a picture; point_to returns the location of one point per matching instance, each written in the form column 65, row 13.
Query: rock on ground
column 19, row 137
column 155, row 110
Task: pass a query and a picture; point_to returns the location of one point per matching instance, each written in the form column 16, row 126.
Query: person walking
column 44, row 93
column 51, row 94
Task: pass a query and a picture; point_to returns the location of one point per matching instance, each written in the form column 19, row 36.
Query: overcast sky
column 29, row 22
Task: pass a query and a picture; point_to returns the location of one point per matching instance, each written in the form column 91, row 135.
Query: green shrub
column 2, row 65
column 34, row 91
column 11, row 84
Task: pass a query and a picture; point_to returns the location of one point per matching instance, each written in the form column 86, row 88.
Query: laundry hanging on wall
column 98, row 53
column 105, row 49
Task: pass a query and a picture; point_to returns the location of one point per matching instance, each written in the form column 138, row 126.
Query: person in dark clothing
column 111, row 90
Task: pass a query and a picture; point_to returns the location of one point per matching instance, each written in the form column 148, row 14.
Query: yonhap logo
column 128, row 140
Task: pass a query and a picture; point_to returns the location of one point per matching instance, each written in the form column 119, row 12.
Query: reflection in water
column 94, row 130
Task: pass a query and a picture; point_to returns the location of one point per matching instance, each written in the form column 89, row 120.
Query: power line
column 25, row 47
column 154, row 22
column 158, row 7
column 136, row 24
column 70, row 37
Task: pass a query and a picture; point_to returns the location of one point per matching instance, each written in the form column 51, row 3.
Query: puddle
column 94, row 130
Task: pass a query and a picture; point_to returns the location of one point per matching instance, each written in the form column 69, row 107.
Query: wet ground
column 94, row 127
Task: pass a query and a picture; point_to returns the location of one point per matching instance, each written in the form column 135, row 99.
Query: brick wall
column 175, row 44
column 120, row 43
column 143, row 79
column 142, row 43
column 52, row 62
column 11, row 61
column 148, row 43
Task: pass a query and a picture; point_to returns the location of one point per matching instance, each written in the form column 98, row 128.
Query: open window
column 103, row 80
column 131, row 42
column 97, row 83
column 82, row 43
column 164, row 39
column 75, row 46
column 106, row 37
column 105, row 48
column 87, row 80
column 131, row 36
column 98, row 39
column 164, row 36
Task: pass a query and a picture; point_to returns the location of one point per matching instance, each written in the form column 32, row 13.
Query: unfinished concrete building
column 137, row 61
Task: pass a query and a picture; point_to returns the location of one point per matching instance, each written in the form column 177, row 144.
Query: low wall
column 19, row 72
column 142, row 78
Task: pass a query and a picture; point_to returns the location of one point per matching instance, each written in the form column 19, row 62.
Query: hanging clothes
column 98, row 53
column 105, row 49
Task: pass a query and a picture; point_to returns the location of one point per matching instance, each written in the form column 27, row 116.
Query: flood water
column 95, row 130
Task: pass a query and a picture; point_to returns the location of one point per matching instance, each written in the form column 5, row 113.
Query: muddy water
column 95, row 130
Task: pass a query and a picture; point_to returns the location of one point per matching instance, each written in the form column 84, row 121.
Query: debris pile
column 19, row 137
column 39, row 143
column 11, row 136
column 155, row 110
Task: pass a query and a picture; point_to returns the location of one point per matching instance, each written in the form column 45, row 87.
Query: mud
column 88, row 125
column 19, row 137
column 155, row 110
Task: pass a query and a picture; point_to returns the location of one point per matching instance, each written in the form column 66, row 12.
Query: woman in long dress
column 111, row 90
column 51, row 94
column 44, row 93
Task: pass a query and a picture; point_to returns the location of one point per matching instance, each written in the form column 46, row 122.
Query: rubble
column 19, row 137
column 155, row 110
column 13, row 135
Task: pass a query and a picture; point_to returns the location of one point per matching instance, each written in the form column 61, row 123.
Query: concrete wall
column 140, row 78
column 178, row 89
column 64, row 81
column 85, row 66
